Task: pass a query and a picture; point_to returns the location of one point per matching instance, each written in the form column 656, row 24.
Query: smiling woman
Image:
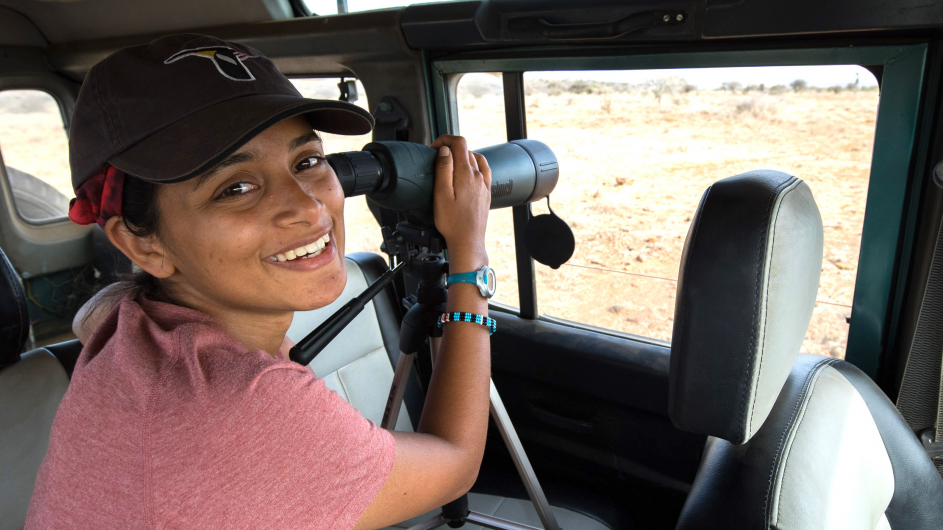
column 183, row 410
column 252, row 206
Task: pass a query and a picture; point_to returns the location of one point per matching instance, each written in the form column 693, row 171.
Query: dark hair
column 141, row 218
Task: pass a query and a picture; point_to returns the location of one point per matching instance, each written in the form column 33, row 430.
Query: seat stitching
column 787, row 430
column 798, row 424
column 742, row 391
column 343, row 386
column 498, row 507
column 759, row 371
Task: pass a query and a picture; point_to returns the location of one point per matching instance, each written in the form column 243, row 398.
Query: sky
column 706, row 78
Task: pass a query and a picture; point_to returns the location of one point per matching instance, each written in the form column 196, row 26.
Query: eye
column 309, row 162
column 237, row 188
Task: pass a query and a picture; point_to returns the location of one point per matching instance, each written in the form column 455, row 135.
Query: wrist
column 467, row 261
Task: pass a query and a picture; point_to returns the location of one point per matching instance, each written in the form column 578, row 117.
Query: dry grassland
column 631, row 179
column 632, row 172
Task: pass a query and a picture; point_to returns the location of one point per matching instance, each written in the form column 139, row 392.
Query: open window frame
column 895, row 182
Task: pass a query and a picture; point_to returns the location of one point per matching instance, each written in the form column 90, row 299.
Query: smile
column 303, row 252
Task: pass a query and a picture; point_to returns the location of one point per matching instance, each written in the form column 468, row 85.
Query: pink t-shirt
column 169, row 422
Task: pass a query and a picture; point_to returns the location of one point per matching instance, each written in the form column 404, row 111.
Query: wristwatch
column 483, row 278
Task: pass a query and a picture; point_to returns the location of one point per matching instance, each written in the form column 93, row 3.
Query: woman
column 201, row 163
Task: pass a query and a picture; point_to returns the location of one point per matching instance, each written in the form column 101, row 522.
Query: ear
column 146, row 252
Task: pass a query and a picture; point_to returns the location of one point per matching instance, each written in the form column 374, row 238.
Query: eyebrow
column 304, row 139
column 238, row 158
column 250, row 156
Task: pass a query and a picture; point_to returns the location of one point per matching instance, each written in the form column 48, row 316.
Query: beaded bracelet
column 460, row 316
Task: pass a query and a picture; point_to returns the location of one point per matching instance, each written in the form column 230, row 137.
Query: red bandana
column 98, row 198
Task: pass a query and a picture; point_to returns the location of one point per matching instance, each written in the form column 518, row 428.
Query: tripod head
column 410, row 244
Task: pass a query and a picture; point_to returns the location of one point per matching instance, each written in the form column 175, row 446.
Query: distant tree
column 666, row 86
column 799, row 85
column 731, row 86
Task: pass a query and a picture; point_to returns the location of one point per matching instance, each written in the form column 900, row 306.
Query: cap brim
column 197, row 143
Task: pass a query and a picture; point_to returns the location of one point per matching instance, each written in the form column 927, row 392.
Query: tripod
column 418, row 324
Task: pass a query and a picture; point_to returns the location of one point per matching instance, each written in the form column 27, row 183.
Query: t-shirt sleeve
column 279, row 450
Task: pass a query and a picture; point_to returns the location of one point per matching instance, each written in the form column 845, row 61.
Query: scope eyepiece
column 359, row 172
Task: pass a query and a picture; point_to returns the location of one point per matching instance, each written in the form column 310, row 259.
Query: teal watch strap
column 483, row 278
column 465, row 277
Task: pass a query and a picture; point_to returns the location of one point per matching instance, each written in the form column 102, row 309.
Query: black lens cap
column 549, row 240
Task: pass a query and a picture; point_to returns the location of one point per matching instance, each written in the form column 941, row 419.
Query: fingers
column 460, row 161
column 443, row 171
column 456, row 143
column 463, row 162
column 484, row 168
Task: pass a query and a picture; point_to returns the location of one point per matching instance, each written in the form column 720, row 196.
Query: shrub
column 732, row 86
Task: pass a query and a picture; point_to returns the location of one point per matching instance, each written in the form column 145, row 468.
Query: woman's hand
column 461, row 202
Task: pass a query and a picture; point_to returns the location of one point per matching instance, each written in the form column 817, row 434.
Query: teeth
column 308, row 251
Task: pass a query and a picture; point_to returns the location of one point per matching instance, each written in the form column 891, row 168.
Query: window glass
column 482, row 122
column 330, row 7
column 361, row 229
column 638, row 148
column 35, row 152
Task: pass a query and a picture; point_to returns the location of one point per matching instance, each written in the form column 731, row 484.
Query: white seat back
column 355, row 364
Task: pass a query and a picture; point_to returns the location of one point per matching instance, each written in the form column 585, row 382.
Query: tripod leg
column 495, row 523
column 521, row 462
column 394, row 402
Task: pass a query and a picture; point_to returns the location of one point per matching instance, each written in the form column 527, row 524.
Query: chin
column 329, row 289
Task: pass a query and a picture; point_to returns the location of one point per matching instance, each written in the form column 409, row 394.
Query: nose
column 294, row 202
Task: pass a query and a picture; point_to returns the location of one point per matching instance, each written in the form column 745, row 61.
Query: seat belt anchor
column 932, row 447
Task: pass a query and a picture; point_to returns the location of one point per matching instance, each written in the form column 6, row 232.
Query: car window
column 35, row 150
column 361, row 229
column 638, row 148
column 333, row 7
column 481, row 121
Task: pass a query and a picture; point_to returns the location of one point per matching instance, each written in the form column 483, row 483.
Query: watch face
column 491, row 282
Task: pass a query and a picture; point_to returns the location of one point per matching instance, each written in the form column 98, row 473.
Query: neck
column 256, row 330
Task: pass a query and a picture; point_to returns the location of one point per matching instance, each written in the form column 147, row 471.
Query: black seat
column 795, row 441
column 31, row 386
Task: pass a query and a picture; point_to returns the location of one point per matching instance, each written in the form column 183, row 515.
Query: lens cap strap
column 461, row 316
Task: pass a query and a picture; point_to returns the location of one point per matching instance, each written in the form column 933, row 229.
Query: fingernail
column 444, row 151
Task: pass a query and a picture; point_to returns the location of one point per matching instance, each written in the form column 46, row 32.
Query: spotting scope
column 399, row 175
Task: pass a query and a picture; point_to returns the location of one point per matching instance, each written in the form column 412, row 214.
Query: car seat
column 31, row 386
column 795, row 441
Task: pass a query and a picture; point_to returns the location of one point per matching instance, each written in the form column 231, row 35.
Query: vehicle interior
column 665, row 376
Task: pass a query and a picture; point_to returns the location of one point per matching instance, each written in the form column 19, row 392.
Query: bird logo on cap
column 227, row 60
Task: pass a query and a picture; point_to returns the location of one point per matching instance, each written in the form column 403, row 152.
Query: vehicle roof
column 456, row 24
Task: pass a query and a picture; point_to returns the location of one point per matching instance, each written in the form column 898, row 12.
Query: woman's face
column 263, row 231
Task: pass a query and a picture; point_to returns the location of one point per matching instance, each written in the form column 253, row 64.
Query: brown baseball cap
column 172, row 109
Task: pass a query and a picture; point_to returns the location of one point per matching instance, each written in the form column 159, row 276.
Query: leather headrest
column 746, row 289
column 14, row 316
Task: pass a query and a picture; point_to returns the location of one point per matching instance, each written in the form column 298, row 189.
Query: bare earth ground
column 631, row 178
